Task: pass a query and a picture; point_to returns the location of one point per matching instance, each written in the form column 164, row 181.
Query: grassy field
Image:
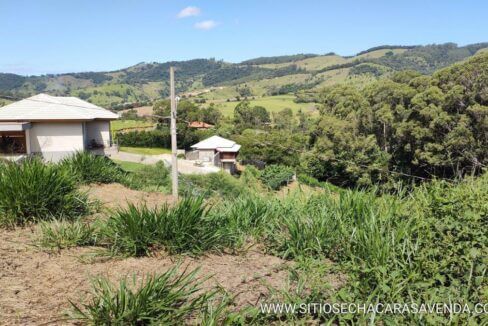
column 106, row 94
column 117, row 125
column 271, row 103
column 145, row 150
column 130, row 166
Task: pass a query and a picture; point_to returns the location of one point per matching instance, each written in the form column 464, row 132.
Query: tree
column 260, row 116
column 421, row 126
column 272, row 147
column 246, row 117
column 283, row 119
column 211, row 114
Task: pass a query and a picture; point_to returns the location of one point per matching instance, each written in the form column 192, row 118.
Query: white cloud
column 189, row 12
column 206, row 24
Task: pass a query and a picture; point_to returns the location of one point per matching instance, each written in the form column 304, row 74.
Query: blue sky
column 53, row 36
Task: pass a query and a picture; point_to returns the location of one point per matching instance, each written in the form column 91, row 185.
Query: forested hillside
column 289, row 74
column 407, row 127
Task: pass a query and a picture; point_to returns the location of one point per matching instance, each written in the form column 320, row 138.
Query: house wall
column 99, row 131
column 206, row 155
column 56, row 140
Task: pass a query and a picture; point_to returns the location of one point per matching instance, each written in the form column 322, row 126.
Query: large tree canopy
column 410, row 124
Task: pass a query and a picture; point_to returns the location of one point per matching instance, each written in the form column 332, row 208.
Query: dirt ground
column 116, row 195
column 36, row 285
column 142, row 111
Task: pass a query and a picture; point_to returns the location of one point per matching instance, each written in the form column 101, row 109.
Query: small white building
column 53, row 127
column 217, row 151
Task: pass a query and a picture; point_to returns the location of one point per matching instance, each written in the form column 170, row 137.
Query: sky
column 56, row 36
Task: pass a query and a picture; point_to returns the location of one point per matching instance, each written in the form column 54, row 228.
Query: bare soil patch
column 116, row 195
column 36, row 285
column 142, row 111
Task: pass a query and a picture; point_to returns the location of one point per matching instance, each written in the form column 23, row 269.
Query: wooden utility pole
column 174, row 161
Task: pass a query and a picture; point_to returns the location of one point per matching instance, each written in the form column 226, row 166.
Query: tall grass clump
column 151, row 177
column 249, row 215
column 352, row 226
column 59, row 234
column 89, row 168
column 214, row 184
column 429, row 246
column 276, row 176
column 184, row 228
column 171, row 298
column 32, row 191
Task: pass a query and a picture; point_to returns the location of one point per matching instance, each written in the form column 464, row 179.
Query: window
column 12, row 142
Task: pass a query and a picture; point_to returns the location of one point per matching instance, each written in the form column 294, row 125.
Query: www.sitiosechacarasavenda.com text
column 375, row 308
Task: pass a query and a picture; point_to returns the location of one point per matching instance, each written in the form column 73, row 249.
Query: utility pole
column 174, row 162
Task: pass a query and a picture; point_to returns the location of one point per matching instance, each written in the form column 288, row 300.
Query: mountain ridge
column 144, row 82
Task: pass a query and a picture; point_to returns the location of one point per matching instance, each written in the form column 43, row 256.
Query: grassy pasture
column 271, row 103
column 145, row 150
column 118, row 125
column 130, row 166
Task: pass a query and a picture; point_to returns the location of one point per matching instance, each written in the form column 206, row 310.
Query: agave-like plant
column 59, row 234
column 185, row 228
column 89, row 168
column 166, row 299
column 32, row 190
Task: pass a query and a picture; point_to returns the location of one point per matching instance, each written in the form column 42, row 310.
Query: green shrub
column 276, row 176
column 308, row 180
column 214, row 184
column 65, row 234
column 248, row 214
column 89, row 168
column 430, row 246
column 184, row 228
column 167, row 299
column 32, row 191
column 149, row 177
column 153, row 138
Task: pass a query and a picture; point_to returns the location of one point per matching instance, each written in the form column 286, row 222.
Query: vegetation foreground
column 427, row 245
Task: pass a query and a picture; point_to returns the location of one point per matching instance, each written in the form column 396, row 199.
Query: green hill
column 219, row 80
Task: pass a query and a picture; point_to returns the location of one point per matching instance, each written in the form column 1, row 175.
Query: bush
column 276, row 176
column 153, row 138
column 248, row 214
column 430, row 246
column 33, row 191
column 65, row 234
column 207, row 185
column 166, row 299
column 184, row 228
column 150, row 177
column 308, row 180
column 88, row 168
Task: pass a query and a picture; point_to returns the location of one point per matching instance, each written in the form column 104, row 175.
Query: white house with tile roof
column 53, row 127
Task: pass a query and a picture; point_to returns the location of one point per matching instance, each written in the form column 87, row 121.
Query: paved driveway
column 184, row 166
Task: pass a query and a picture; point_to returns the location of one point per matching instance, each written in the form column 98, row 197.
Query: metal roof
column 47, row 107
column 14, row 126
column 218, row 143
